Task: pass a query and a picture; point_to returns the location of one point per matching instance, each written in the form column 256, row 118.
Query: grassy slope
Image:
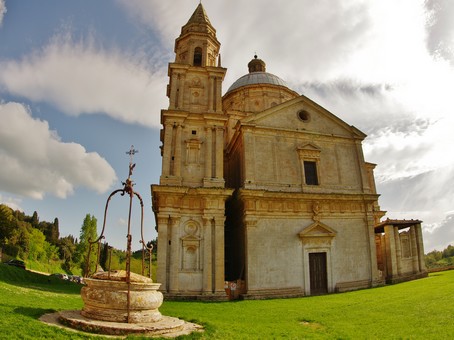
column 420, row 309
column 25, row 296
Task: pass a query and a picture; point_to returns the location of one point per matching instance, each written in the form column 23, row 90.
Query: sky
column 82, row 81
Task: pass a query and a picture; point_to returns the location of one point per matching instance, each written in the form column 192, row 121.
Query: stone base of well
column 166, row 327
column 113, row 306
column 107, row 297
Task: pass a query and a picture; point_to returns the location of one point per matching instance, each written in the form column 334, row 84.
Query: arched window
column 197, row 56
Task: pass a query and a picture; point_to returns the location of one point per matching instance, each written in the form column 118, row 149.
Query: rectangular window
column 310, row 173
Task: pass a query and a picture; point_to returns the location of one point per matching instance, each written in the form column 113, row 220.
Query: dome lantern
column 256, row 65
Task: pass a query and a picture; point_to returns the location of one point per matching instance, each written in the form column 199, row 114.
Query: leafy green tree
column 7, row 223
column 51, row 252
column 88, row 233
column 448, row 252
column 34, row 220
column 104, row 256
column 37, row 246
column 67, row 249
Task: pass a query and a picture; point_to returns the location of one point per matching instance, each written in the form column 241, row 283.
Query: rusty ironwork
column 128, row 189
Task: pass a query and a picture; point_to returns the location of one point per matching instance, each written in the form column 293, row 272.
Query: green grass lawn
column 422, row 309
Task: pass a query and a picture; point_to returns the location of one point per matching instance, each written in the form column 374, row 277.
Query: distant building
column 265, row 188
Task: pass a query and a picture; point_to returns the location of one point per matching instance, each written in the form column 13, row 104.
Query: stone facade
column 262, row 186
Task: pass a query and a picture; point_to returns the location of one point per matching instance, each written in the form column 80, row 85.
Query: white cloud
column 384, row 66
column 2, row 11
column 13, row 203
column 35, row 162
column 440, row 40
column 79, row 78
column 441, row 235
column 161, row 16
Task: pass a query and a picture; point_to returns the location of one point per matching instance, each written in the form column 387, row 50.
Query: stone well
column 105, row 298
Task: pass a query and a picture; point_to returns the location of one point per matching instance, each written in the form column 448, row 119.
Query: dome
column 257, row 78
column 257, row 75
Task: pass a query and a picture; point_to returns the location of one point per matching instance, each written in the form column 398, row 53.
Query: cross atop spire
column 131, row 153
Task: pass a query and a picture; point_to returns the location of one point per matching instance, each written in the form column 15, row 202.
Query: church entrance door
column 318, row 273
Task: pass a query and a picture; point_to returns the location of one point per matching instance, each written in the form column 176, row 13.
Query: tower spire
column 199, row 16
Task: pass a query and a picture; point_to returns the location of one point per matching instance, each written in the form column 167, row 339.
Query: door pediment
column 317, row 232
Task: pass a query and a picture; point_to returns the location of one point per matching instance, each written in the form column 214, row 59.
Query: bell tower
column 189, row 202
column 193, row 124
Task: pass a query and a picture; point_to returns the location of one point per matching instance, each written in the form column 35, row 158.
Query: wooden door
column 318, row 274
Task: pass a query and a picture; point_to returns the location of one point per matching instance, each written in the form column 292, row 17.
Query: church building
column 263, row 192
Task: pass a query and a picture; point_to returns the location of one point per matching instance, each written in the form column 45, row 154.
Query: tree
column 67, row 248
column 88, row 233
column 34, row 220
column 104, row 256
column 37, row 246
column 6, row 224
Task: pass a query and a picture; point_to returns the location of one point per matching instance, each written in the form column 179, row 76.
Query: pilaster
column 219, row 152
column 177, row 157
column 210, row 94
column 218, row 90
column 207, row 285
column 162, row 256
column 208, row 153
column 167, row 152
column 174, row 254
column 219, row 254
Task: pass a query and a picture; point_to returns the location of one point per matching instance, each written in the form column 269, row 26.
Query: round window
column 303, row 115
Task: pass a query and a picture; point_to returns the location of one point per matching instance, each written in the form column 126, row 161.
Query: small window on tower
column 194, row 132
column 197, row 56
column 310, row 173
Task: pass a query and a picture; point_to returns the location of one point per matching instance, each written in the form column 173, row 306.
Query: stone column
column 384, row 251
column 174, row 254
column 163, row 241
column 167, row 152
column 207, row 284
column 391, row 257
column 414, row 250
column 398, row 251
column 420, row 244
column 219, row 152
column 177, row 160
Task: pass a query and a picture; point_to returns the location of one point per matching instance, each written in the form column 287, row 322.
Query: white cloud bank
column 386, row 67
column 2, row 11
column 34, row 162
column 79, row 78
column 13, row 203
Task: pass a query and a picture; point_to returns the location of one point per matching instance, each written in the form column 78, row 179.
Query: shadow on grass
column 27, row 279
column 32, row 312
column 52, row 287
